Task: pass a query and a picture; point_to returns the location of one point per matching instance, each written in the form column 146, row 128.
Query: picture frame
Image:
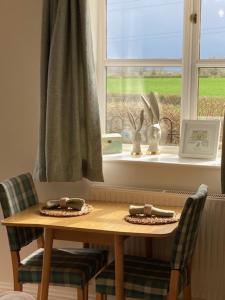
column 199, row 139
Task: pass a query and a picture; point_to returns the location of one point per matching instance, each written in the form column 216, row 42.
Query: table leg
column 46, row 263
column 119, row 280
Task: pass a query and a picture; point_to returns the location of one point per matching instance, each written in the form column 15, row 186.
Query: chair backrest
column 17, row 194
column 186, row 234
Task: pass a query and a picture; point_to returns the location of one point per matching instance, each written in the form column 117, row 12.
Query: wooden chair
column 145, row 278
column 69, row 267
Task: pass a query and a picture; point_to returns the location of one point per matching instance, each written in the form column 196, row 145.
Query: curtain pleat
column 70, row 137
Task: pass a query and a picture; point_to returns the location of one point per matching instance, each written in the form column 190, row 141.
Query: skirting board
column 55, row 293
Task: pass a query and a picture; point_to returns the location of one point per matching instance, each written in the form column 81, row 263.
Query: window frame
column 190, row 63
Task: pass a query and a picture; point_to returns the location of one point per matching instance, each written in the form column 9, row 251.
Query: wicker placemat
column 153, row 220
column 66, row 212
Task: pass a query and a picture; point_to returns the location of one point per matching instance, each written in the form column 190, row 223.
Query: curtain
column 223, row 160
column 69, row 138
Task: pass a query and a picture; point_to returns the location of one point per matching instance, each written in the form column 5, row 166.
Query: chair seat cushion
column 143, row 278
column 69, row 267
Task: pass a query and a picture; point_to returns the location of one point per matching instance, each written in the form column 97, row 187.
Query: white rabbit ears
column 151, row 104
column 136, row 127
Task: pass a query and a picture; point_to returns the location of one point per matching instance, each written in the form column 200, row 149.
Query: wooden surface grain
column 106, row 217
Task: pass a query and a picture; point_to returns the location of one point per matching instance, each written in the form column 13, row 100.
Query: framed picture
column 199, row 138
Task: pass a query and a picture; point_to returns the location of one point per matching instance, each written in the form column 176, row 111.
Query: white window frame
column 190, row 63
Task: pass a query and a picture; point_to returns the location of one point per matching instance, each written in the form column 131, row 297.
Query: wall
column 161, row 176
column 20, row 29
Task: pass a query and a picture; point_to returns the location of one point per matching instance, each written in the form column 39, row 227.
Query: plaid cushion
column 149, row 279
column 143, row 278
column 69, row 267
column 17, row 194
column 186, row 234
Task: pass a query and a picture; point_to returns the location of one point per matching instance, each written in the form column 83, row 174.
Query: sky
column 154, row 29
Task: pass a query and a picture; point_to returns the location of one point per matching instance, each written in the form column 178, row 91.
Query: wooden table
column 104, row 225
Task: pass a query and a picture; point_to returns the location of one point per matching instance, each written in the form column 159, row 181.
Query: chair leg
column 18, row 286
column 86, row 292
column 82, row 293
column 39, row 292
column 15, row 257
column 173, row 288
column 40, row 242
column 187, row 292
column 101, row 296
column 187, row 289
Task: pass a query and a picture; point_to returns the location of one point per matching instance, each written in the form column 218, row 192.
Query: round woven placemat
column 153, row 220
column 66, row 212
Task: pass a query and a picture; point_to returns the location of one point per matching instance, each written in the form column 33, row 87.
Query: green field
column 163, row 85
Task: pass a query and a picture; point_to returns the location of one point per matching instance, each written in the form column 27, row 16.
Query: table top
column 106, row 217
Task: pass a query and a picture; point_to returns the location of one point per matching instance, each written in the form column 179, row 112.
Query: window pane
column 211, row 101
column 212, row 43
column 125, row 85
column 144, row 29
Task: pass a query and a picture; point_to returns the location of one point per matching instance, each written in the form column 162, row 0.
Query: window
column 135, row 29
column 212, row 32
column 175, row 48
column 125, row 85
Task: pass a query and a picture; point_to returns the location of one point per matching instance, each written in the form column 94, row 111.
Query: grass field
column 164, row 85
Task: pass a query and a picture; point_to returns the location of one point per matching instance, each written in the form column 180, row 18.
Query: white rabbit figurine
column 154, row 133
column 136, row 135
column 154, row 136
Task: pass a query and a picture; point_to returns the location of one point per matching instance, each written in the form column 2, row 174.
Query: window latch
column 193, row 18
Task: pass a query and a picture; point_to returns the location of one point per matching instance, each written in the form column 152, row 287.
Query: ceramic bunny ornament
column 136, row 135
column 154, row 133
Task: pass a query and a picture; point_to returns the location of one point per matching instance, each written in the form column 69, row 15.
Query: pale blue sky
column 154, row 28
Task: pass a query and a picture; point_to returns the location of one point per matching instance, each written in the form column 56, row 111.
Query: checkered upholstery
column 17, row 194
column 149, row 279
column 143, row 278
column 186, row 234
column 69, row 267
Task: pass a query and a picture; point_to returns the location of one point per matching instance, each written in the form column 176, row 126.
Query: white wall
column 160, row 176
column 20, row 30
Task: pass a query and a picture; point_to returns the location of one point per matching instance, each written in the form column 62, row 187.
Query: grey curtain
column 223, row 160
column 70, row 138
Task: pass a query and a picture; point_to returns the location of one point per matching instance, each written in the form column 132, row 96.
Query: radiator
column 208, row 269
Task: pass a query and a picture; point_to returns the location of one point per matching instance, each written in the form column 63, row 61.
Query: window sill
column 163, row 159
